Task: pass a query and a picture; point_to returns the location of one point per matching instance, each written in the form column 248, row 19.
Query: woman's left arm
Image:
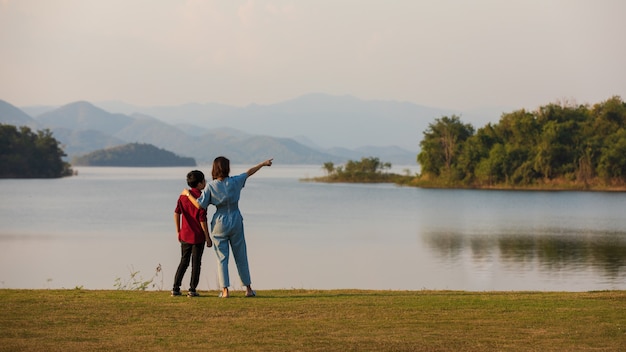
column 191, row 198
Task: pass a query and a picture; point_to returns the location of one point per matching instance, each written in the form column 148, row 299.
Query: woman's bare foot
column 224, row 293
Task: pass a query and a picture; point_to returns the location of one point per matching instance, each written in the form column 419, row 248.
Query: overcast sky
column 460, row 54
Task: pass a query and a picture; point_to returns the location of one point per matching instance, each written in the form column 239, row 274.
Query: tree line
column 28, row 154
column 366, row 170
column 579, row 146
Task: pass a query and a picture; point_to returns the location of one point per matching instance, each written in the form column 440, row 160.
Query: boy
column 193, row 232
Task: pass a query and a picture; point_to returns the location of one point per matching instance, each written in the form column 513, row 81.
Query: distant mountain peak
column 81, row 105
column 12, row 115
column 82, row 115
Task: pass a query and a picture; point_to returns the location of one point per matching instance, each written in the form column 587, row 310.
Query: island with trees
column 559, row 146
column 367, row 170
column 28, row 154
column 133, row 155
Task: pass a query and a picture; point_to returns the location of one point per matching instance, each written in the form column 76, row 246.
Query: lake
column 100, row 226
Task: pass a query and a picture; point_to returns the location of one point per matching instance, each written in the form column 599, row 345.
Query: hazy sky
column 460, row 54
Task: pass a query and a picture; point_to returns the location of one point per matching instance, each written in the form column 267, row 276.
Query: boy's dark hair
column 194, row 178
column 221, row 168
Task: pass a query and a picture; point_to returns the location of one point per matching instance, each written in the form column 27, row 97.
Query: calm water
column 104, row 223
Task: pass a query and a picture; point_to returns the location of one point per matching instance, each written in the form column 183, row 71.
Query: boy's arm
column 177, row 222
column 257, row 167
column 205, row 228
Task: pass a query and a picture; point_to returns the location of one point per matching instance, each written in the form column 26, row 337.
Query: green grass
column 310, row 320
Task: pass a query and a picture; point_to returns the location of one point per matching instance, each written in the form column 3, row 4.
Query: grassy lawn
column 309, row 320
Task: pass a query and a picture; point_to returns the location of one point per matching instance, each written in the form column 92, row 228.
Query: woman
column 227, row 223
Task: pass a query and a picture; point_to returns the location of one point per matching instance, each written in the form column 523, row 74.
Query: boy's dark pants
column 193, row 252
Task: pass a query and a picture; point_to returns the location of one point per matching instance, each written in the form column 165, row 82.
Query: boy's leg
column 185, row 255
column 196, row 263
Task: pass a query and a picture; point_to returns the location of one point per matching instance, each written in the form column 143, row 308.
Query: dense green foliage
column 368, row 170
column 133, row 154
column 26, row 154
column 577, row 145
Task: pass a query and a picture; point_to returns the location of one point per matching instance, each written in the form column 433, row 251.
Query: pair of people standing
column 227, row 230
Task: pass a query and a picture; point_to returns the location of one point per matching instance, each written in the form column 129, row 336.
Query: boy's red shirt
column 190, row 230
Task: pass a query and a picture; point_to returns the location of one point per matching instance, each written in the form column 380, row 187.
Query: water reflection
column 551, row 250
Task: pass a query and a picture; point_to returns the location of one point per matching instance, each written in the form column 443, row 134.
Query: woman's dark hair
column 194, row 178
column 221, row 168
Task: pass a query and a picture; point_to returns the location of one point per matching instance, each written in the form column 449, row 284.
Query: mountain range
column 311, row 129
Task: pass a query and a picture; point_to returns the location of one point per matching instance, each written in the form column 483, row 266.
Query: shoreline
column 406, row 181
